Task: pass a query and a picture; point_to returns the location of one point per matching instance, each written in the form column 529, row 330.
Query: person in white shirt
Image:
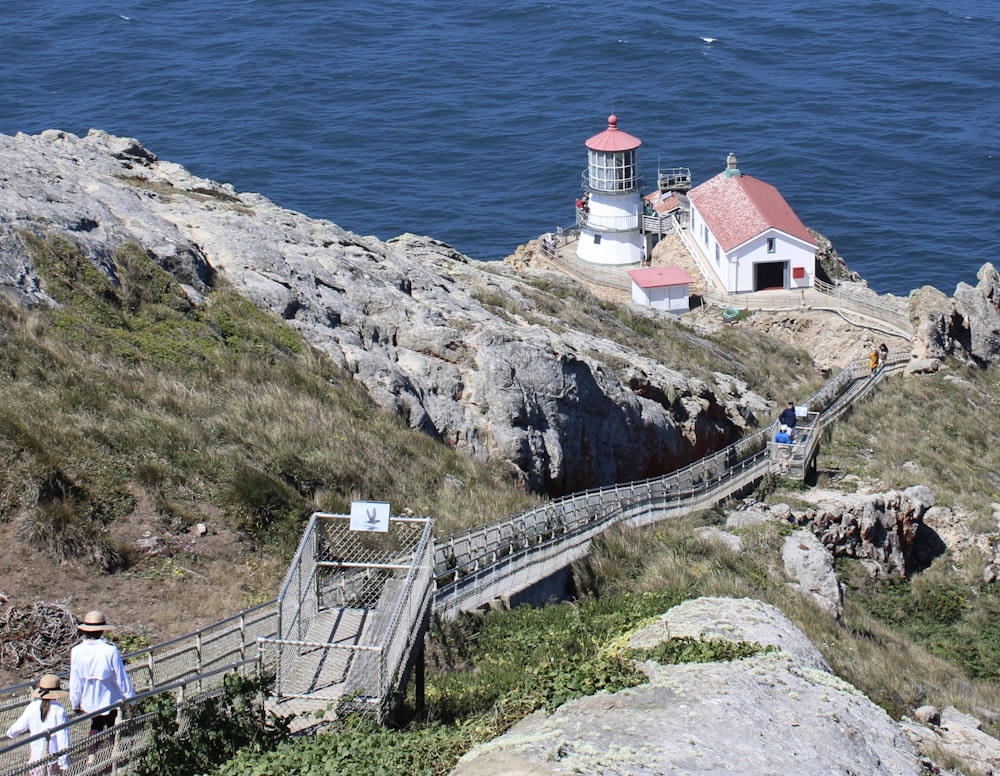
column 39, row 716
column 97, row 675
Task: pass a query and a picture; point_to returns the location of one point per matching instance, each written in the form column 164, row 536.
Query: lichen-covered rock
column 781, row 712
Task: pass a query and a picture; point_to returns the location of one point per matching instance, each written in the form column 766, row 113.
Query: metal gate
column 352, row 614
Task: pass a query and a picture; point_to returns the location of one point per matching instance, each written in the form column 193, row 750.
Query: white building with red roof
column 749, row 235
column 665, row 288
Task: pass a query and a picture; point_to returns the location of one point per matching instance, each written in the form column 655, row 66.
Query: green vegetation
column 492, row 671
column 129, row 392
column 952, row 620
column 199, row 736
column 932, row 639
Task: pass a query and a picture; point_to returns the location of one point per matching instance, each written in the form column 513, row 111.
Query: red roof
column 663, row 202
column 613, row 139
column 655, row 277
column 740, row 207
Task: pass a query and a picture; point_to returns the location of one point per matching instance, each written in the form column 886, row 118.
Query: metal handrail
column 126, row 724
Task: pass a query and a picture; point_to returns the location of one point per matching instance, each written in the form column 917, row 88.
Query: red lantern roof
column 613, row 139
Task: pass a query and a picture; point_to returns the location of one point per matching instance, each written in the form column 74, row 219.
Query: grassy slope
column 130, row 389
column 904, row 643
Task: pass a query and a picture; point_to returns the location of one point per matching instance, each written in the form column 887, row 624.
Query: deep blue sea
column 878, row 120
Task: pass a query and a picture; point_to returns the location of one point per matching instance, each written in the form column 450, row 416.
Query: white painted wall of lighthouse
column 622, row 244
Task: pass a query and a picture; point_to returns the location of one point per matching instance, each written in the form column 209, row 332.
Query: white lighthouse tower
column 611, row 217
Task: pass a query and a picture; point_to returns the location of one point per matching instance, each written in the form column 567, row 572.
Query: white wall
column 614, row 249
column 672, row 299
column 736, row 269
column 790, row 250
column 612, row 212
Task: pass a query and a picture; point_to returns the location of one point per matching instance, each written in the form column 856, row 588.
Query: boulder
column 810, row 566
column 730, row 540
column 780, row 712
column 744, row 518
column 955, row 734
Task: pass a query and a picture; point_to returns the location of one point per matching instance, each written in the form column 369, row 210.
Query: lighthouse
column 610, row 212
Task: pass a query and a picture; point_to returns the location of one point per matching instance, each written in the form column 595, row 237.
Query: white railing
column 477, row 565
column 673, row 178
column 119, row 748
column 659, row 225
column 870, row 307
column 184, row 659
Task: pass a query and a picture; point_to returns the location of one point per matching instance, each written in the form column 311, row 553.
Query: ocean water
column 877, row 120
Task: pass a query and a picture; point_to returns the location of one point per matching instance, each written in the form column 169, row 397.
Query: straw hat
column 48, row 688
column 94, row 622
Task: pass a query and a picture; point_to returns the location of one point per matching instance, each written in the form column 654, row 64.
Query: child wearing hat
column 97, row 675
column 39, row 716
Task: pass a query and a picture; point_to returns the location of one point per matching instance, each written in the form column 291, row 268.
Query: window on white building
column 770, row 245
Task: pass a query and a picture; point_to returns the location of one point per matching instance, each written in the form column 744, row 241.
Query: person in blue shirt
column 784, row 452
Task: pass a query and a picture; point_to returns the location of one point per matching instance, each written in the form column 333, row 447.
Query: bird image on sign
column 370, row 516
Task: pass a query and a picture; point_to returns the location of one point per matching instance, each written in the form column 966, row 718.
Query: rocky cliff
column 463, row 351
column 455, row 346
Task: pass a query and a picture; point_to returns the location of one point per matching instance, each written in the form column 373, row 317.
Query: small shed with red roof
column 665, row 288
column 749, row 234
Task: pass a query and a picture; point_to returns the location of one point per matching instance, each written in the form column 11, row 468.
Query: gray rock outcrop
column 810, row 565
column 457, row 347
column 887, row 532
column 957, row 734
column 966, row 326
column 781, row 712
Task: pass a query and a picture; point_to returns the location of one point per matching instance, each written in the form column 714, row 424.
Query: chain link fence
column 358, row 604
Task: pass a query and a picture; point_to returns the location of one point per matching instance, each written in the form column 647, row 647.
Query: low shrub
column 202, row 735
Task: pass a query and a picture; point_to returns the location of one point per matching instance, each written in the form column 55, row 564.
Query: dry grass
column 561, row 303
column 129, row 389
column 942, row 430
